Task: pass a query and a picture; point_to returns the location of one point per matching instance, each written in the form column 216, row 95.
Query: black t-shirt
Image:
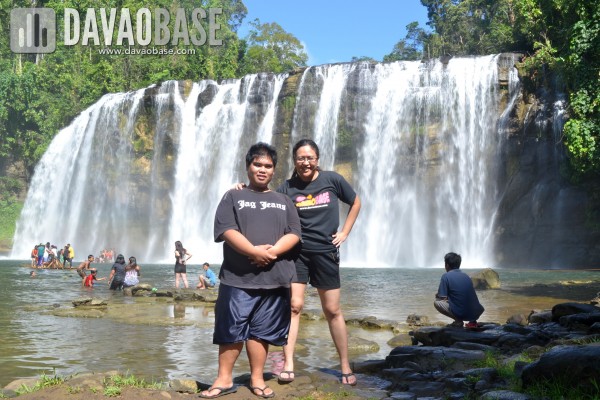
column 263, row 218
column 318, row 207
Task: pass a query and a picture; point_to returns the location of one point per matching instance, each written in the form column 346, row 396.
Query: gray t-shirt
column 318, row 206
column 263, row 218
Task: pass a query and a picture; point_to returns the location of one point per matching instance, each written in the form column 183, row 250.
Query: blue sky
column 336, row 30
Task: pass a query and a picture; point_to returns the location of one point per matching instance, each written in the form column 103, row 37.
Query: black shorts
column 180, row 268
column 321, row 270
column 242, row 314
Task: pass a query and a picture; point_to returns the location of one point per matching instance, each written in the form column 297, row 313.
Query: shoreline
column 165, row 324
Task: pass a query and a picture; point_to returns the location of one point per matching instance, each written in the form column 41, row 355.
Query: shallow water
column 158, row 339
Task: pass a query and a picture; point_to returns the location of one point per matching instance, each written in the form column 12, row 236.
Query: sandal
column 348, row 376
column 222, row 392
column 290, row 377
column 261, row 392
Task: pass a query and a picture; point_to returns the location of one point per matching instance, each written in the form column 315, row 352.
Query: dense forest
column 41, row 93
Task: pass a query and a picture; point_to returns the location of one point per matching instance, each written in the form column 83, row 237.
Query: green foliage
column 555, row 389
column 44, row 382
column 112, row 391
column 410, row 47
column 130, row 380
column 271, row 49
column 40, row 94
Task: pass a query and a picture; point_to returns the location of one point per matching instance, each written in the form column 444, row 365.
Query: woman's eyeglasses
column 303, row 159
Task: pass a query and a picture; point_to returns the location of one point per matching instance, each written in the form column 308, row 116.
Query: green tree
column 409, row 48
column 271, row 49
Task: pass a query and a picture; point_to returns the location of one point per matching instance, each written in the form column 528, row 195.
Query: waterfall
column 426, row 171
column 418, row 141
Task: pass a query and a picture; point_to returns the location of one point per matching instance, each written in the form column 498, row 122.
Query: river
column 158, row 339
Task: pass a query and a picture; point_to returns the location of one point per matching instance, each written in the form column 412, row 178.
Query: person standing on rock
column 260, row 229
column 316, row 195
column 181, row 258
column 456, row 297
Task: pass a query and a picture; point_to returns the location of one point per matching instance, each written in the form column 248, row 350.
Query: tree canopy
column 39, row 94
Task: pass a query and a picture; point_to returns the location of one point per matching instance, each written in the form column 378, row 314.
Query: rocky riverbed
column 558, row 347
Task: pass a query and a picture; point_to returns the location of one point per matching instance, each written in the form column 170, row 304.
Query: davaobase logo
column 33, row 30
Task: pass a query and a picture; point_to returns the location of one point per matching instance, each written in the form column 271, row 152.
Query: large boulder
column 564, row 309
column 571, row 366
column 433, row 358
column 486, row 279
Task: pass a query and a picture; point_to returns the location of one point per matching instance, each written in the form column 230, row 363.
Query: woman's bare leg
column 330, row 302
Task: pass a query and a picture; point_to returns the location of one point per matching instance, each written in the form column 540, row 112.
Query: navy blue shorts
column 320, row 270
column 242, row 314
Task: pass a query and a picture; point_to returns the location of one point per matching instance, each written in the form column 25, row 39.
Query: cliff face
column 445, row 156
column 542, row 218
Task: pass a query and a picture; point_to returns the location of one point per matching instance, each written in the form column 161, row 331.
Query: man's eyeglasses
column 303, row 159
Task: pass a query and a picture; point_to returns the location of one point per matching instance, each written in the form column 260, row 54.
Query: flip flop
column 347, row 376
column 262, row 392
column 222, row 392
column 290, row 377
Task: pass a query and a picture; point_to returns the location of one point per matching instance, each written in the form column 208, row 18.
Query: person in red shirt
column 88, row 281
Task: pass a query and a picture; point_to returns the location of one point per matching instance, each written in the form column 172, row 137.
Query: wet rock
column 486, row 279
column 434, row 358
column 400, row 340
column 570, row 365
column 183, row 294
column 89, row 302
column 370, row 366
column 312, row 315
column 372, row 323
column 563, row 309
column 184, row 385
column 519, row 319
column 540, row 317
column 360, row 345
column 206, row 295
column 417, row 320
column 19, row 383
column 580, row 321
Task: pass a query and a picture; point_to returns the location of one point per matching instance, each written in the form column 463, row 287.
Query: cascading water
column 426, row 171
column 144, row 169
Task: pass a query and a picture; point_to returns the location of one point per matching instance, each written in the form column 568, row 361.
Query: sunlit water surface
column 159, row 339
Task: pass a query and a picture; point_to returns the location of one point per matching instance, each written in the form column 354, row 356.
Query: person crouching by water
column 89, row 280
column 85, row 265
column 181, row 258
column 209, row 279
column 117, row 274
column 456, row 297
column 132, row 273
column 259, row 229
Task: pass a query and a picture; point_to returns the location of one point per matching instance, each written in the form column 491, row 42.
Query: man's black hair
column 453, row 260
column 261, row 149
